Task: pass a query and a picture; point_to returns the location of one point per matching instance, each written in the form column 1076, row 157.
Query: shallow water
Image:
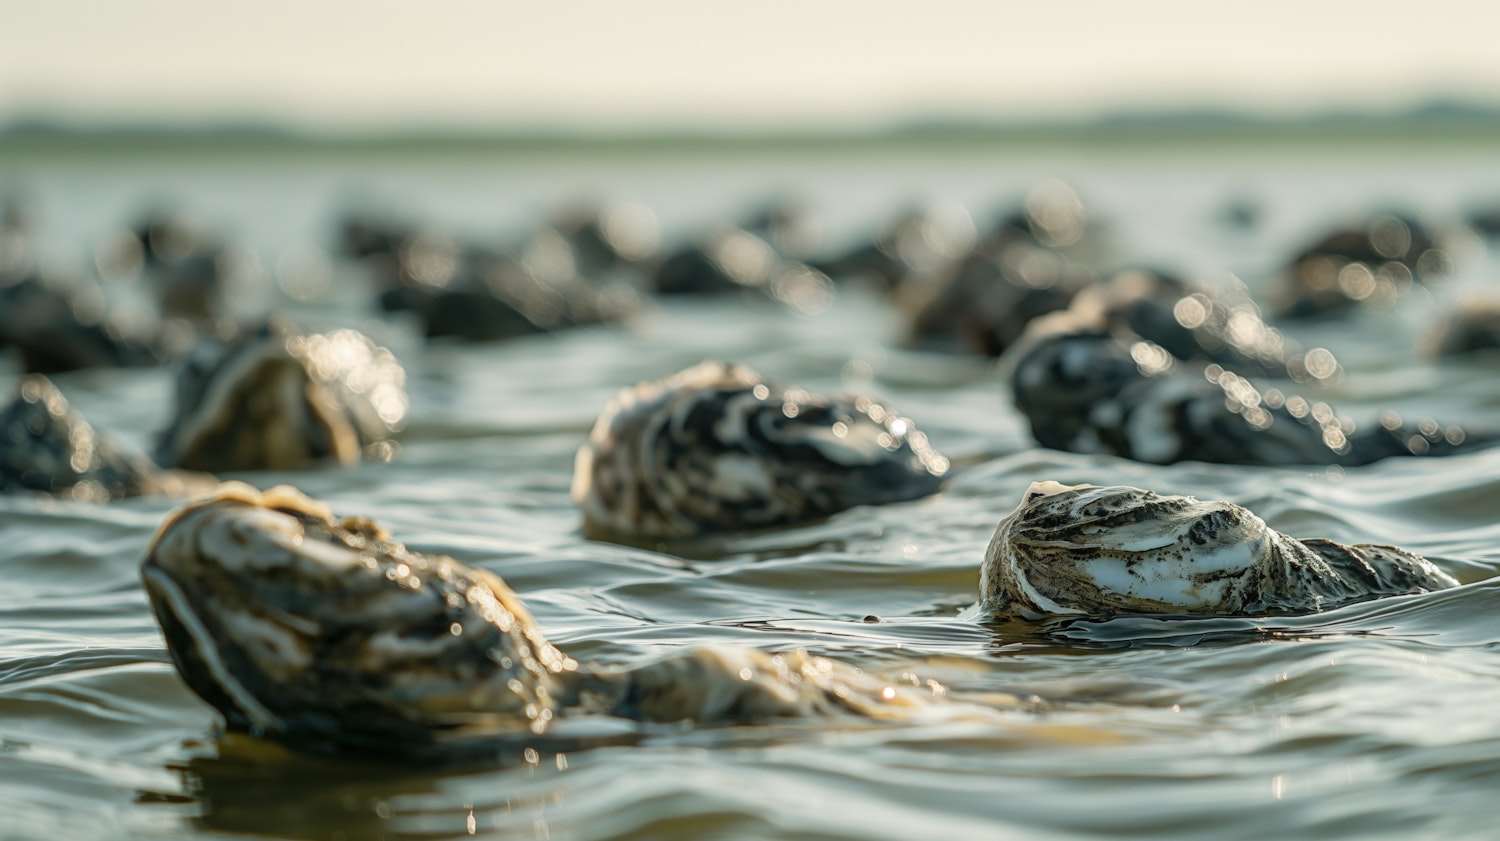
column 1371, row 721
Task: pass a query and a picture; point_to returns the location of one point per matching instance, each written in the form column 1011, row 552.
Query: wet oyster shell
column 329, row 635
column 1094, row 551
column 275, row 399
column 716, row 448
column 294, row 623
column 47, row 447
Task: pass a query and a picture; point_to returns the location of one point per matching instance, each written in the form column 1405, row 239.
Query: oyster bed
column 1374, row 720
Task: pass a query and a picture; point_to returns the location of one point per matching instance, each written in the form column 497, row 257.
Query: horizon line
column 35, row 122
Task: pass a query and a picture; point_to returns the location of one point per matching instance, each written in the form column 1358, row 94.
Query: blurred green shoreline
column 1437, row 124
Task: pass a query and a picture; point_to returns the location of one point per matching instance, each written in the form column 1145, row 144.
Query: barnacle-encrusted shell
column 716, row 448
column 1099, row 551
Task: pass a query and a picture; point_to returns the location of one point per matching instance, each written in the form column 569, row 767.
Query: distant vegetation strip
column 1433, row 122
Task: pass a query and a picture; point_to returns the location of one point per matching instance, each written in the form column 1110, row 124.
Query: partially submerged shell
column 270, row 400
column 723, row 684
column 1087, row 391
column 716, row 448
column 327, row 633
column 1088, row 550
column 294, row 623
column 47, row 447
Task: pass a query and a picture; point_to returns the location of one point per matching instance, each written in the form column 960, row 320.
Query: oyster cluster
column 329, row 634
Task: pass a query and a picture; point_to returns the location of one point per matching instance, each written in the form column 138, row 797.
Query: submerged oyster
column 48, row 447
column 716, row 448
column 1094, row 551
column 272, row 400
column 329, row 634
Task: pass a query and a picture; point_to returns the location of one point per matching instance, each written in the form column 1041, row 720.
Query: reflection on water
column 253, row 787
column 1375, row 720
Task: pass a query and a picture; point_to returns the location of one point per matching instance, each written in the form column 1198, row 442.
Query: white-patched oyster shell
column 1109, row 550
column 716, row 448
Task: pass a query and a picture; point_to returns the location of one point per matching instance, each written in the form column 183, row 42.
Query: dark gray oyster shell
column 47, row 447
column 1089, row 392
column 716, row 448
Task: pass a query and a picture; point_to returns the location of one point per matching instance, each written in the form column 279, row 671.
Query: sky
column 774, row 64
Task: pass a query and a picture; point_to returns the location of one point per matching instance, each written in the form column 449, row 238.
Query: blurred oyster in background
column 727, row 259
column 1485, row 220
column 1376, row 260
column 1091, row 392
column 538, row 291
column 61, row 325
column 189, row 274
column 1196, row 322
column 788, row 225
column 923, row 240
column 47, row 447
column 1471, row 327
column 1050, row 215
column 985, row 303
column 730, row 259
column 273, row 398
column 608, row 237
column 483, row 293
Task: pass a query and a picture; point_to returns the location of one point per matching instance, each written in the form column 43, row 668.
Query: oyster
column 273, row 399
column 1092, row 392
column 1095, row 551
column 328, row 634
column 1379, row 258
column 48, row 447
column 716, row 448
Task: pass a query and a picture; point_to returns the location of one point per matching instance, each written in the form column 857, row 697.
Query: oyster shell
column 274, row 399
column 716, row 448
column 1094, row 551
column 328, row 634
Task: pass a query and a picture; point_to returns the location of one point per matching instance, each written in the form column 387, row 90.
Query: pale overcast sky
column 624, row 63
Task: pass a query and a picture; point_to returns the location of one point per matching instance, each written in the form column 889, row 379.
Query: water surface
column 1376, row 720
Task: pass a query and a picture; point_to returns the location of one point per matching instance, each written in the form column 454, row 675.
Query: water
column 1372, row 721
